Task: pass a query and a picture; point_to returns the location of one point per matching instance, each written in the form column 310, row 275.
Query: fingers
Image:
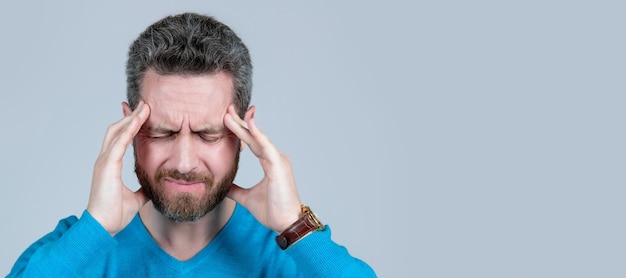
column 120, row 134
column 239, row 127
column 249, row 133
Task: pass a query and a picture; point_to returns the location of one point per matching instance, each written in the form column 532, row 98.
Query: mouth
column 181, row 182
column 183, row 185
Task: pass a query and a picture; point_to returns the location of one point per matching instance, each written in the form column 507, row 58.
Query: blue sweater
column 243, row 248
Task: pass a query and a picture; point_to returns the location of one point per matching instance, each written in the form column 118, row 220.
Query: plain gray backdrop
column 436, row 138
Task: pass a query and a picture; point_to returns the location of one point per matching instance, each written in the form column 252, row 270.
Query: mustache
column 188, row 177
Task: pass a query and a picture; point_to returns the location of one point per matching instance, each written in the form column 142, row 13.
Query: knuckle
column 111, row 128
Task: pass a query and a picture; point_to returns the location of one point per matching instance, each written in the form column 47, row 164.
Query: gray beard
column 185, row 207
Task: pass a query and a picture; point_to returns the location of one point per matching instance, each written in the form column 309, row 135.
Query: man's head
column 190, row 44
column 188, row 69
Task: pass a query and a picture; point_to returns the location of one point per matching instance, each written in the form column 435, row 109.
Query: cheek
column 228, row 150
column 221, row 157
column 149, row 156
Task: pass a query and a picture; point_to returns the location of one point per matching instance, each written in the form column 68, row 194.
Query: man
column 189, row 85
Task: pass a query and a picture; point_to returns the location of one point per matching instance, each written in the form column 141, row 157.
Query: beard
column 182, row 206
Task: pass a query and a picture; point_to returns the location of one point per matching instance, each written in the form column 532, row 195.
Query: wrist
column 306, row 224
column 289, row 219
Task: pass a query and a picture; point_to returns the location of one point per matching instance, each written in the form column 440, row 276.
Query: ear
column 126, row 109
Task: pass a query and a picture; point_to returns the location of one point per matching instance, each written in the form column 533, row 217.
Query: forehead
column 200, row 100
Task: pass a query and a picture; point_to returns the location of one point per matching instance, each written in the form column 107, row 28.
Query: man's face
column 185, row 158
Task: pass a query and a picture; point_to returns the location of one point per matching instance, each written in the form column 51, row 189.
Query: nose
column 184, row 155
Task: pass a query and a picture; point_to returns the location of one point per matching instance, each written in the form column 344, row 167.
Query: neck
column 183, row 240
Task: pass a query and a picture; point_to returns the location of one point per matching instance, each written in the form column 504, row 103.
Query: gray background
column 447, row 139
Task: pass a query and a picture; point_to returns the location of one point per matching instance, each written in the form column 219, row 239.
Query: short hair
column 190, row 44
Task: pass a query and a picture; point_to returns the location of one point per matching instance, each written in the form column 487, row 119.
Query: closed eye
column 158, row 133
column 162, row 135
column 210, row 138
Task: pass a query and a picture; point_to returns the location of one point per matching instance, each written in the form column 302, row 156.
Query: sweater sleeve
column 317, row 255
column 69, row 251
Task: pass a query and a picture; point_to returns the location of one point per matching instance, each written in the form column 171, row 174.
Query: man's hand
column 111, row 203
column 274, row 201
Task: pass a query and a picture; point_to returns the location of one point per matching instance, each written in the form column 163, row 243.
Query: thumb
column 238, row 193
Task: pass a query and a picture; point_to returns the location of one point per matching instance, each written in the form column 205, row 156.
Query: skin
column 205, row 132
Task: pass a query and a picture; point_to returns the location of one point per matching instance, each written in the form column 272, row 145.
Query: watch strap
column 305, row 225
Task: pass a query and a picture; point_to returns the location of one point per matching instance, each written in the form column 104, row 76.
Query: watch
column 305, row 225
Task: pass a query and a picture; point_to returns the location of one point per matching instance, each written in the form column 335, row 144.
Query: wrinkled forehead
column 199, row 100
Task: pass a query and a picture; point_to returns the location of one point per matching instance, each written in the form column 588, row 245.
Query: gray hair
column 190, row 44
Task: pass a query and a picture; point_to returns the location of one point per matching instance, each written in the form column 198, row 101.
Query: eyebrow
column 158, row 129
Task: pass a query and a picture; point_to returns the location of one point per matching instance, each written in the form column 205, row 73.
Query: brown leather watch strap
column 305, row 225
